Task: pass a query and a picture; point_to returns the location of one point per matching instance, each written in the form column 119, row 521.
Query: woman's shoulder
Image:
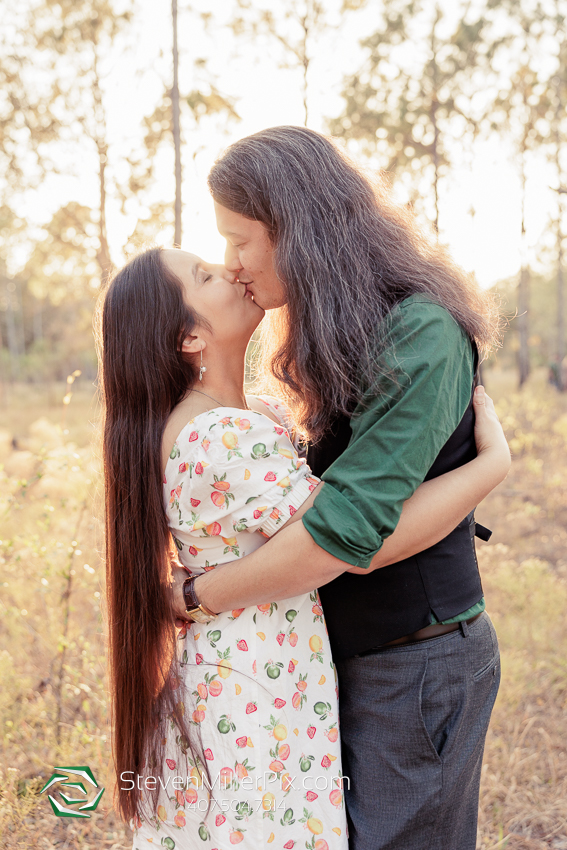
column 223, row 433
column 273, row 407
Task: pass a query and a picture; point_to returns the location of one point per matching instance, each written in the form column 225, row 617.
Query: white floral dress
column 262, row 678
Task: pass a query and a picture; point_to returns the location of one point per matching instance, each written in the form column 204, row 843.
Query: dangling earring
column 203, row 368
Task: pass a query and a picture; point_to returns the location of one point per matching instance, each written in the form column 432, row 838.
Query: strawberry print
column 256, row 681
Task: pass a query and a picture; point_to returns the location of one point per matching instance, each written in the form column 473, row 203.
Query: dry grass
column 53, row 705
column 524, row 790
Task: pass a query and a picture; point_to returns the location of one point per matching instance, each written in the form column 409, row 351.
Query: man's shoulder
column 421, row 306
column 421, row 314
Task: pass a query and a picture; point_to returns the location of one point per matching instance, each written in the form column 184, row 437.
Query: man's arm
column 291, row 563
column 425, row 386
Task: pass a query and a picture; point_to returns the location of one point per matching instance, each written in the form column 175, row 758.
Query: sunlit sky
column 267, row 94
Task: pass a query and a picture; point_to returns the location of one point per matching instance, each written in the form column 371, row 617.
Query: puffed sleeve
column 244, row 475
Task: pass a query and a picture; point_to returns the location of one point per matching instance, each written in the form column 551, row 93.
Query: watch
column 194, row 609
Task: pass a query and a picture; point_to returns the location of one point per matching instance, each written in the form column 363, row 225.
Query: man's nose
column 231, row 262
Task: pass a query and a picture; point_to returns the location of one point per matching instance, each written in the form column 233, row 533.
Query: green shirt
column 428, row 364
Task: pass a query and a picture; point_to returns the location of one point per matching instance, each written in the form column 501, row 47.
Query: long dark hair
column 346, row 254
column 142, row 320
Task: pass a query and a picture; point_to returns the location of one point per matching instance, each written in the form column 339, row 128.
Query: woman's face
column 250, row 255
column 230, row 311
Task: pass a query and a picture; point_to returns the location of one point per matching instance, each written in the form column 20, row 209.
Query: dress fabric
column 264, row 695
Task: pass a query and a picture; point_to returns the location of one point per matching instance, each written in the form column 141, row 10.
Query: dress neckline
column 215, row 409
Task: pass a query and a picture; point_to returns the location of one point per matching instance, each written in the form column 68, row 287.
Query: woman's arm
column 292, row 563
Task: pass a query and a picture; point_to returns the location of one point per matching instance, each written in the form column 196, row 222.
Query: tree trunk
column 523, row 289
column 12, row 335
column 560, row 307
column 305, row 63
column 523, row 326
column 433, row 116
column 38, row 320
column 100, row 139
column 560, row 282
column 103, row 251
column 176, row 128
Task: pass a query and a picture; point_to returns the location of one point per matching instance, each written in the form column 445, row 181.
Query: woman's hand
column 488, row 432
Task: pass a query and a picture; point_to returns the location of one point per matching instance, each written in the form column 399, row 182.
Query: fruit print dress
column 263, row 684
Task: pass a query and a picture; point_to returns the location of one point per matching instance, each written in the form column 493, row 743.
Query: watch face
column 199, row 616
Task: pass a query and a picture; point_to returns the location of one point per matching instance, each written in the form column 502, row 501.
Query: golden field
column 53, row 707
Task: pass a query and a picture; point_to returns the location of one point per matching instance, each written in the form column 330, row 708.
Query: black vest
column 363, row 612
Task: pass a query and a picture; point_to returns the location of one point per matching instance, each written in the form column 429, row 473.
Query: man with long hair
column 373, row 337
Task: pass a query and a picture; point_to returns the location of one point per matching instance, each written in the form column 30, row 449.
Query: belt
column 429, row 632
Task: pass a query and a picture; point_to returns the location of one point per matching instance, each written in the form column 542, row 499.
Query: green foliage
column 414, row 86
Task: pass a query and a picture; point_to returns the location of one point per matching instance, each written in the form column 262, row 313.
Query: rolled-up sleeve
column 397, row 432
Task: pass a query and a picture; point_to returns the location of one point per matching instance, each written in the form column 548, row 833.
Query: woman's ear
column 192, row 345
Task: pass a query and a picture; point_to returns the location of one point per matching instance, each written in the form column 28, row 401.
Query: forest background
column 111, row 114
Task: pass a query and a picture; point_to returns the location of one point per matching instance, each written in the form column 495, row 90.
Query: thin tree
column 296, row 27
column 413, row 91
column 176, row 127
column 557, row 154
column 78, row 36
column 520, row 111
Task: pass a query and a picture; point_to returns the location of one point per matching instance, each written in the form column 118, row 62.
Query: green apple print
column 322, row 709
column 259, row 451
column 273, row 669
column 288, row 818
column 225, row 725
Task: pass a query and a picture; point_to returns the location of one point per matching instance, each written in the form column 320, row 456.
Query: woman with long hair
column 214, row 723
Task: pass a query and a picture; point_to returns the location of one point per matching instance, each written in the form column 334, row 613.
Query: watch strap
column 191, row 599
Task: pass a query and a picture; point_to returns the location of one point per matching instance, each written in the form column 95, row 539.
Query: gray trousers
column 413, row 722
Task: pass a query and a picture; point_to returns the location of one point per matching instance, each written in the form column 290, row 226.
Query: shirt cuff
column 285, row 509
column 338, row 527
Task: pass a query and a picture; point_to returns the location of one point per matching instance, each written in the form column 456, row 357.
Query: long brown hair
column 346, row 254
column 142, row 319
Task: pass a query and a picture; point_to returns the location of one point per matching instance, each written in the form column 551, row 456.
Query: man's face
column 250, row 255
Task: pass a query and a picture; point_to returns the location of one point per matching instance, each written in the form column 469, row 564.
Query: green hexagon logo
column 70, row 777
